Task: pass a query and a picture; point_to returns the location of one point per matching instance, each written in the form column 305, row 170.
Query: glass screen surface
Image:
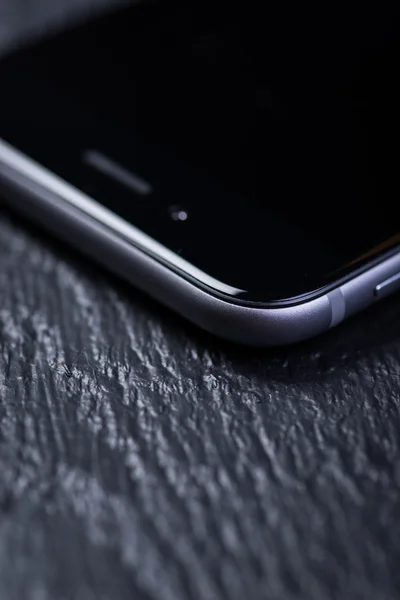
column 259, row 143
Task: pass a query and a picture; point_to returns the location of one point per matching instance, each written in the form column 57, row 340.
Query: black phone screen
column 263, row 138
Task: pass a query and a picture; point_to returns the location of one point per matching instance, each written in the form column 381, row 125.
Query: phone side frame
column 37, row 194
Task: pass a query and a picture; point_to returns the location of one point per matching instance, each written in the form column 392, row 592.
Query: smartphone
column 238, row 163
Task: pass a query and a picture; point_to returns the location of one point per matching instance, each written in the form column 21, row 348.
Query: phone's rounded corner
column 260, row 326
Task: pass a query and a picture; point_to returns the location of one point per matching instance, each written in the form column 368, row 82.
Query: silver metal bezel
column 80, row 220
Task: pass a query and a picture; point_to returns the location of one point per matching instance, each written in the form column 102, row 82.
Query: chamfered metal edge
column 97, row 237
column 94, row 237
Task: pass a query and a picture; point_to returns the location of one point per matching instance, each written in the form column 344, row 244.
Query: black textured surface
column 142, row 458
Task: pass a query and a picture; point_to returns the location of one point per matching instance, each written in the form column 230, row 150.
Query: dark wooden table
column 140, row 458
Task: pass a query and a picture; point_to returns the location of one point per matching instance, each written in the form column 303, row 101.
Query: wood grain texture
column 141, row 458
